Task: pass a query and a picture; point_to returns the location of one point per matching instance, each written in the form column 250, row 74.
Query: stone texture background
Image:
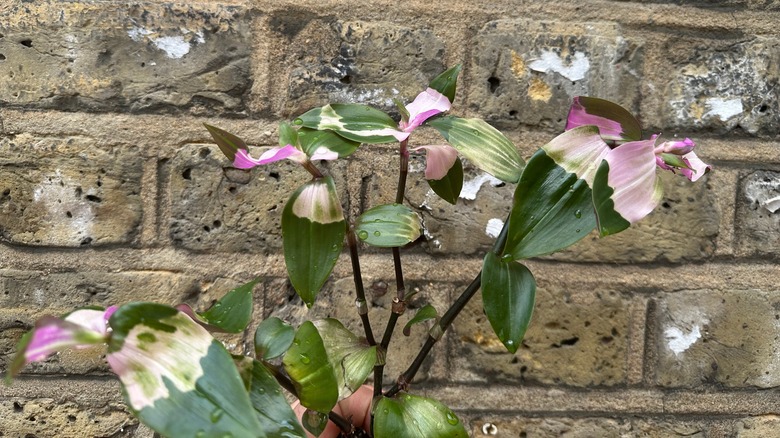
column 110, row 192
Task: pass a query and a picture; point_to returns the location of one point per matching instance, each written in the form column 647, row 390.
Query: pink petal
column 51, row 335
column 439, row 160
column 242, row 159
column 697, row 167
column 426, row 105
column 632, row 176
column 578, row 151
column 578, row 116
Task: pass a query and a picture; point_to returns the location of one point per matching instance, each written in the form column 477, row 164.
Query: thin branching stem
column 360, row 294
column 405, row 379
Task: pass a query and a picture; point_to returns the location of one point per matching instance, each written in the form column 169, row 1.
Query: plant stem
column 360, row 294
column 446, row 320
column 399, row 305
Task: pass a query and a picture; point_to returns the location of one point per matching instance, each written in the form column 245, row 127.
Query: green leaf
column 483, row 144
column 287, row 135
column 350, row 356
column 272, row 338
column 355, row 122
column 446, row 82
column 313, row 229
column 449, row 187
column 608, row 220
column 552, row 209
column 314, row 422
column 310, row 369
column 311, row 140
column 508, row 291
column 176, row 378
column 425, row 313
column 228, row 143
column 389, row 225
column 414, row 416
column 233, row 312
column 273, row 411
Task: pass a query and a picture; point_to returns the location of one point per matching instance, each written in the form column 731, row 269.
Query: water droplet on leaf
column 362, row 234
column 216, row 414
column 305, row 359
column 578, row 214
column 298, row 121
column 451, row 418
column 377, row 233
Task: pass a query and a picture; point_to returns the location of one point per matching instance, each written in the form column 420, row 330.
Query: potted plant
column 177, row 379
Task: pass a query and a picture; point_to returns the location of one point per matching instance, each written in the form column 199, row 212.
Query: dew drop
column 475, row 132
column 451, row 418
column 200, row 434
column 377, row 233
column 216, row 414
column 362, row 234
column 577, row 230
column 298, row 121
column 510, row 342
column 506, row 257
column 305, row 359
column 578, row 214
column 385, row 411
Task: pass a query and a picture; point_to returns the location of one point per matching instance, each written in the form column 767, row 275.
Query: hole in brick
column 204, row 152
column 206, row 228
column 761, row 109
column 93, row 198
column 232, row 189
column 71, row 418
column 346, row 79
column 143, row 64
column 666, row 205
column 7, row 192
column 568, row 342
column 26, row 43
column 79, row 191
column 514, row 360
column 614, row 331
column 68, row 214
column 273, row 208
column 607, row 339
column 186, row 173
column 512, row 113
column 274, row 175
column 86, row 241
column 2, row 57
column 494, row 83
column 216, row 224
column 18, row 407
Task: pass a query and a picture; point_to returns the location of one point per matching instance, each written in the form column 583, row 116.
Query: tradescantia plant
column 598, row 174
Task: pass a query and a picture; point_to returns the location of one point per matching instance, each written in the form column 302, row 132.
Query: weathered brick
column 215, row 207
column 724, row 337
column 50, row 417
column 548, row 427
column 728, row 5
column 724, row 89
column 684, row 227
column 68, row 192
column 757, row 427
column 757, row 220
column 329, row 60
column 525, row 72
column 575, row 338
column 26, row 296
column 146, row 57
column 337, row 300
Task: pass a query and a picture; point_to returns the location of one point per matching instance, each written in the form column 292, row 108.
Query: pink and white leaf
column 632, row 176
column 579, row 151
column 426, row 105
column 438, row 161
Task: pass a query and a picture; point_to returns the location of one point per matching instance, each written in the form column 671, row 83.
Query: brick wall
column 110, row 192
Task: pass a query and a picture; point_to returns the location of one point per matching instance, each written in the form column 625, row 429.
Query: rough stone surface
column 575, row 338
column 146, row 57
column 734, row 87
column 729, row 338
column 684, row 227
column 526, row 72
column 49, row 417
column 217, row 208
column 68, row 192
column 355, row 61
column 758, row 427
column 757, row 218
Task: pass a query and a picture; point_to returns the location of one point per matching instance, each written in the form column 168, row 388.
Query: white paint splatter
column 723, row 109
column 471, row 188
column 493, row 228
column 175, row 47
column 374, row 96
column 39, row 297
column 680, row 341
column 551, row 61
column 764, row 191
